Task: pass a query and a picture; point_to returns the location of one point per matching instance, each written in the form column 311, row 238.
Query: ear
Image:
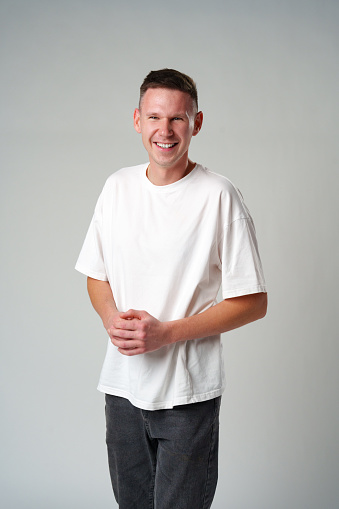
column 198, row 123
column 136, row 120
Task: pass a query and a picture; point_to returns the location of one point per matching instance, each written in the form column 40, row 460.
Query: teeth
column 165, row 145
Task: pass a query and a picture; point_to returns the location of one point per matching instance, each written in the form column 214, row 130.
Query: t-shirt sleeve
column 242, row 272
column 91, row 259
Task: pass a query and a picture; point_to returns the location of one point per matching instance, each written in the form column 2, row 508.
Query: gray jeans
column 163, row 459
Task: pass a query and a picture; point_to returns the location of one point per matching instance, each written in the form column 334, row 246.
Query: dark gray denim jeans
column 163, row 459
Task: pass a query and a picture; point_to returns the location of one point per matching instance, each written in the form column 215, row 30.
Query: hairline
column 193, row 102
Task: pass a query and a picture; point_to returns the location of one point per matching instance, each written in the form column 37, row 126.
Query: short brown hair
column 170, row 78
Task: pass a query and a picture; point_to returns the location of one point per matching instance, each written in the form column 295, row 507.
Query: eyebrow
column 158, row 114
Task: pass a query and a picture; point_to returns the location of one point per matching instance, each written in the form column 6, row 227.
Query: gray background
column 267, row 74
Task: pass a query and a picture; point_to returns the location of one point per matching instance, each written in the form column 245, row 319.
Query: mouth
column 165, row 145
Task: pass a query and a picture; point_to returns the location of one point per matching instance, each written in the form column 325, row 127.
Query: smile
column 165, row 145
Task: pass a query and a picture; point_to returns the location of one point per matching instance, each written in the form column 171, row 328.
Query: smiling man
column 167, row 121
column 164, row 237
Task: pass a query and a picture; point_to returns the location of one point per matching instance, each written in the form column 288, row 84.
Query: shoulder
column 119, row 183
column 216, row 181
column 221, row 188
column 125, row 179
column 128, row 174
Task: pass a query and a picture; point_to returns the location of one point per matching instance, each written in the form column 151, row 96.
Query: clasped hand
column 136, row 332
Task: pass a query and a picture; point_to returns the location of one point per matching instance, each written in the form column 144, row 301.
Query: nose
column 165, row 128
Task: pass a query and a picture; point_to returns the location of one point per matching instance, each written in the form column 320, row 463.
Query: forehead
column 166, row 99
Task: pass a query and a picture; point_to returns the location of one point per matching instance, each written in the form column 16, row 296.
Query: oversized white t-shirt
column 166, row 250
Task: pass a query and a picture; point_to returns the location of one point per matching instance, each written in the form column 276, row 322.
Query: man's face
column 167, row 121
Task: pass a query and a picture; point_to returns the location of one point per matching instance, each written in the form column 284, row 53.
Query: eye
column 177, row 118
column 152, row 117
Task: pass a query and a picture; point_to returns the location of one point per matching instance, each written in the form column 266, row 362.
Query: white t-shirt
column 166, row 250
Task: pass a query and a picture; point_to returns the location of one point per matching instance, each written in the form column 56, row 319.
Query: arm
column 136, row 332
column 102, row 300
column 229, row 314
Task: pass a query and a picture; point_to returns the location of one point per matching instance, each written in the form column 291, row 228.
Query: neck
column 166, row 176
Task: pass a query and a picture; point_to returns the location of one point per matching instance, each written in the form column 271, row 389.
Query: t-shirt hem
column 91, row 273
column 162, row 405
column 244, row 291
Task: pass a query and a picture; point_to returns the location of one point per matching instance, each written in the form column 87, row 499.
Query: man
column 163, row 237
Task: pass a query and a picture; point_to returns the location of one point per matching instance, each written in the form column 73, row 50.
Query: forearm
column 137, row 332
column 225, row 316
column 102, row 300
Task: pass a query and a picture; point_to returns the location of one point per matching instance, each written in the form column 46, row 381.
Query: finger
column 126, row 324
column 130, row 352
column 133, row 313
column 121, row 323
column 129, row 344
column 123, row 333
column 126, row 315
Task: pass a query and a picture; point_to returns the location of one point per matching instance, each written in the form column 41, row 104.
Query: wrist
column 108, row 319
column 185, row 329
column 171, row 332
